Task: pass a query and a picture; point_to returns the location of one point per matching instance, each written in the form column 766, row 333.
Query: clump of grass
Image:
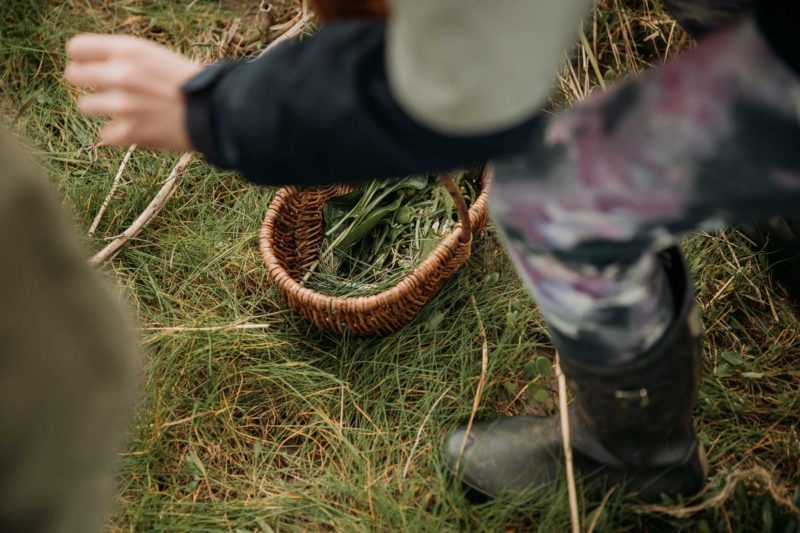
column 287, row 428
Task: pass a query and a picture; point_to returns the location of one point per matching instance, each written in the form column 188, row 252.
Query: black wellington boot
column 629, row 425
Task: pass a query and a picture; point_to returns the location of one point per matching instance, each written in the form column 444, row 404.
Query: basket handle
column 461, row 205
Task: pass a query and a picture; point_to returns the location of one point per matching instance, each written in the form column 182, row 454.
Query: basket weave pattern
column 290, row 237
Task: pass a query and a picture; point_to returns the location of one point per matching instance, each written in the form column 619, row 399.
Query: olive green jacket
column 68, row 364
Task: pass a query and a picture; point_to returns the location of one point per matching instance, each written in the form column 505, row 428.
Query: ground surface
column 287, row 428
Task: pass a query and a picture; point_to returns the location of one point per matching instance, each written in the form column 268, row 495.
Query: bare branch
column 296, row 30
column 155, row 207
column 113, row 189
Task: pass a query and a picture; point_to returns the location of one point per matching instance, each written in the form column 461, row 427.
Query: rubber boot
column 780, row 239
column 629, row 426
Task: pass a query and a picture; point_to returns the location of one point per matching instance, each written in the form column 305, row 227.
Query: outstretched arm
column 446, row 84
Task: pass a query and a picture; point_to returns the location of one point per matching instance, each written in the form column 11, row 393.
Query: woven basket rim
column 442, row 253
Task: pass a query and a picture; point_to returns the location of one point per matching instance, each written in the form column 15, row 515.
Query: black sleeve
column 779, row 21
column 321, row 111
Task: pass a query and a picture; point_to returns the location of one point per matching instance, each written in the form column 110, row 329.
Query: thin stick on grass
column 564, row 415
column 209, row 329
column 419, row 431
column 481, row 382
column 111, row 191
column 153, row 209
column 240, row 325
column 295, row 30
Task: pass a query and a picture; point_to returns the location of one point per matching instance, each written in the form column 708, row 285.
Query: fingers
column 116, row 103
column 109, row 62
column 136, row 83
column 118, row 133
column 147, row 133
column 90, row 47
column 111, row 74
column 134, row 117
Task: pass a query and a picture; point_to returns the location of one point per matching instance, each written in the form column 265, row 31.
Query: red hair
column 334, row 9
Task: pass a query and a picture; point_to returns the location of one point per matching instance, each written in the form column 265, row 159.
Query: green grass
column 288, row 428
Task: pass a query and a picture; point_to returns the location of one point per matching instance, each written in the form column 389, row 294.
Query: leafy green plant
column 376, row 235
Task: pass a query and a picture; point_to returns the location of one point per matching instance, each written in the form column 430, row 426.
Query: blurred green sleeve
column 68, row 364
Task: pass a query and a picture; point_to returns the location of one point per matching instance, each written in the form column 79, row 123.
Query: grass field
column 286, row 428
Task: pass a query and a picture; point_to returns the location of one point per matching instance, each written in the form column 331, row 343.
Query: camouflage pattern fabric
column 707, row 141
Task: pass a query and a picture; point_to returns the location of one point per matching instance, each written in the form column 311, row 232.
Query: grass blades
column 287, row 428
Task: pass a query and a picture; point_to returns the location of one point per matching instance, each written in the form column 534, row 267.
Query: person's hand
column 137, row 84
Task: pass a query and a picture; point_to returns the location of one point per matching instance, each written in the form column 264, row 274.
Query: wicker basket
column 293, row 230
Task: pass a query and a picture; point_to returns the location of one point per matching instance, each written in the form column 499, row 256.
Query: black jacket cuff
column 199, row 110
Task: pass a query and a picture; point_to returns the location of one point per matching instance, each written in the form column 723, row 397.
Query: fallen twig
column 752, row 475
column 186, row 329
column 113, row 189
column 419, row 431
column 155, row 206
column 294, row 31
column 211, row 329
column 481, row 382
column 564, row 415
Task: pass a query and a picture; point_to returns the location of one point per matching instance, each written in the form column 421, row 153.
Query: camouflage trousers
column 708, row 140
